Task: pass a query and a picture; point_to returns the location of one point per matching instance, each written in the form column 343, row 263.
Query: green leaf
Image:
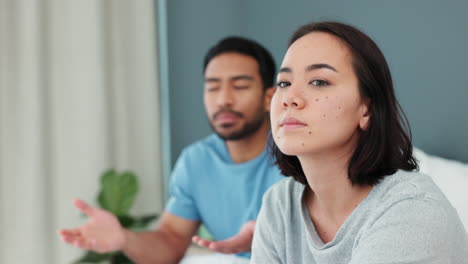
column 142, row 222
column 136, row 223
column 93, row 257
column 118, row 191
column 126, row 220
column 120, row 258
column 204, row 233
column 101, row 199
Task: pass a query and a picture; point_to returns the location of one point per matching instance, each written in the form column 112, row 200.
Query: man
column 218, row 181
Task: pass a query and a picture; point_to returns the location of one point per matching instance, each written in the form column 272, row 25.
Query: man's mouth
column 226, row 117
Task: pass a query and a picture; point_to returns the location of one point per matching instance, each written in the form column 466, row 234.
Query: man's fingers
column 223, row 248
column 201, row 242
column 218, row 246
column 69, row 236
column 82, row 243
column 232, row 242
column 83, row 207
column 69, row 232
column 228, row 246
column 235, row 244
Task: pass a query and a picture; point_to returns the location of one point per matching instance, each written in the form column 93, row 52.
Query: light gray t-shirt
column 404, row 219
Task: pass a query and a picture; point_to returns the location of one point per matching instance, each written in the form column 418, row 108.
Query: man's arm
column 103, row 233
column 167, row 244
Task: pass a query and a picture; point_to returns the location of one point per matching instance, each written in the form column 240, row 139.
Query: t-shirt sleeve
column 410, row 231
column 263, row 245
column 181, row 202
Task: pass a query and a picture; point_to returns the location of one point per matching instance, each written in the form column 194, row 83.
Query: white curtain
column 78, row 95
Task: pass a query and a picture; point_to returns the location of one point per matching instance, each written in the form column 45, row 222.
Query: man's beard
column 249, row 128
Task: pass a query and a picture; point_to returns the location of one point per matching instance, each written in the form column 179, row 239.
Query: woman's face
column 317, row 107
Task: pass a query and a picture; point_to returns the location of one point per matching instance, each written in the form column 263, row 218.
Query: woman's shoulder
column 408, row 217
column 405, row 193
column 284, row 193
column 281, row 205
column 405, row 185
column 285, row 187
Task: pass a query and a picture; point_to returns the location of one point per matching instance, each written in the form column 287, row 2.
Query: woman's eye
column 319, row 83
column 282, row 84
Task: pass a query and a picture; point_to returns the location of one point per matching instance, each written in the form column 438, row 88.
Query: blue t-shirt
column 207, row 186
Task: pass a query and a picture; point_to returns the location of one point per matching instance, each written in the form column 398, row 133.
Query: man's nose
column 225, row 96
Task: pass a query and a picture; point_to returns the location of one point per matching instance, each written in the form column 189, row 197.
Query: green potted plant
column 117, row 194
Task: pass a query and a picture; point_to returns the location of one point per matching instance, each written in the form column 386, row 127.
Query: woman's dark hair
column 384, row 146
column 247, row 47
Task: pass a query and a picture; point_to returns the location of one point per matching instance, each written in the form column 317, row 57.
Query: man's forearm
column 154, row 247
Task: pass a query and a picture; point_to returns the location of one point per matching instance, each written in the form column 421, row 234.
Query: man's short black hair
column 247, row 47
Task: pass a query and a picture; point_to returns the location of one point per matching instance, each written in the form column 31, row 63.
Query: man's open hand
column 102, row 232
column 241, row 242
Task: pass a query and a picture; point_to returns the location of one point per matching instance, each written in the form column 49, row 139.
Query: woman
column 352, row 196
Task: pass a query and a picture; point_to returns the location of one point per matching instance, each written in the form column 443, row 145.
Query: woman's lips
column 291, row 123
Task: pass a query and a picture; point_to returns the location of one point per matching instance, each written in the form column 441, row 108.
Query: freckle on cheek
column 302, row 143
column 324, row 115
column 326, row 97
column 316, row 99
column 310, row 132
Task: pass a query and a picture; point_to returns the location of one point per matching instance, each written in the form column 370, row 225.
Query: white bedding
column 452, row 178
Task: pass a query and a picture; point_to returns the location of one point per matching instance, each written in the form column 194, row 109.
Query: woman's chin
column 292, row 150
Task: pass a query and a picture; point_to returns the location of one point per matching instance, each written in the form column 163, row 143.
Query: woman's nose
column 293, row 99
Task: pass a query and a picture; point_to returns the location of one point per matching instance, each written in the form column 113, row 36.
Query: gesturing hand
column 102, row 233
column 241, row 242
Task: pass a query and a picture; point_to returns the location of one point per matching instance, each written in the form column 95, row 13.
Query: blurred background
column 87, row 85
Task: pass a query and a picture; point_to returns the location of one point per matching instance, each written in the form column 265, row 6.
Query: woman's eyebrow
column 311, row 67
column 320, row 66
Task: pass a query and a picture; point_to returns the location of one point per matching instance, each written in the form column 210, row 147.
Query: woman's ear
column 365, row 114
column 269, row 92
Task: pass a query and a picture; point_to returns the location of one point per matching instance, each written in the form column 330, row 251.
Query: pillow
column 452, row 178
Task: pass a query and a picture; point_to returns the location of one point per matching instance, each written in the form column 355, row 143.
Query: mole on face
column 302, row 143
column 317, row 99
column 310, row 132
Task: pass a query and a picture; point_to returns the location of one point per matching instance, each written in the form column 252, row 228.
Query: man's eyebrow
column 233, row 78
column 212, row 79
column 242, row 77
column 320, row 66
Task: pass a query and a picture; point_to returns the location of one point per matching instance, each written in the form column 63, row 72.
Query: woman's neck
column 332, row 196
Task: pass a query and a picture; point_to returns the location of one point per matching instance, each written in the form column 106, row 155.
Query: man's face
column 234, row 98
